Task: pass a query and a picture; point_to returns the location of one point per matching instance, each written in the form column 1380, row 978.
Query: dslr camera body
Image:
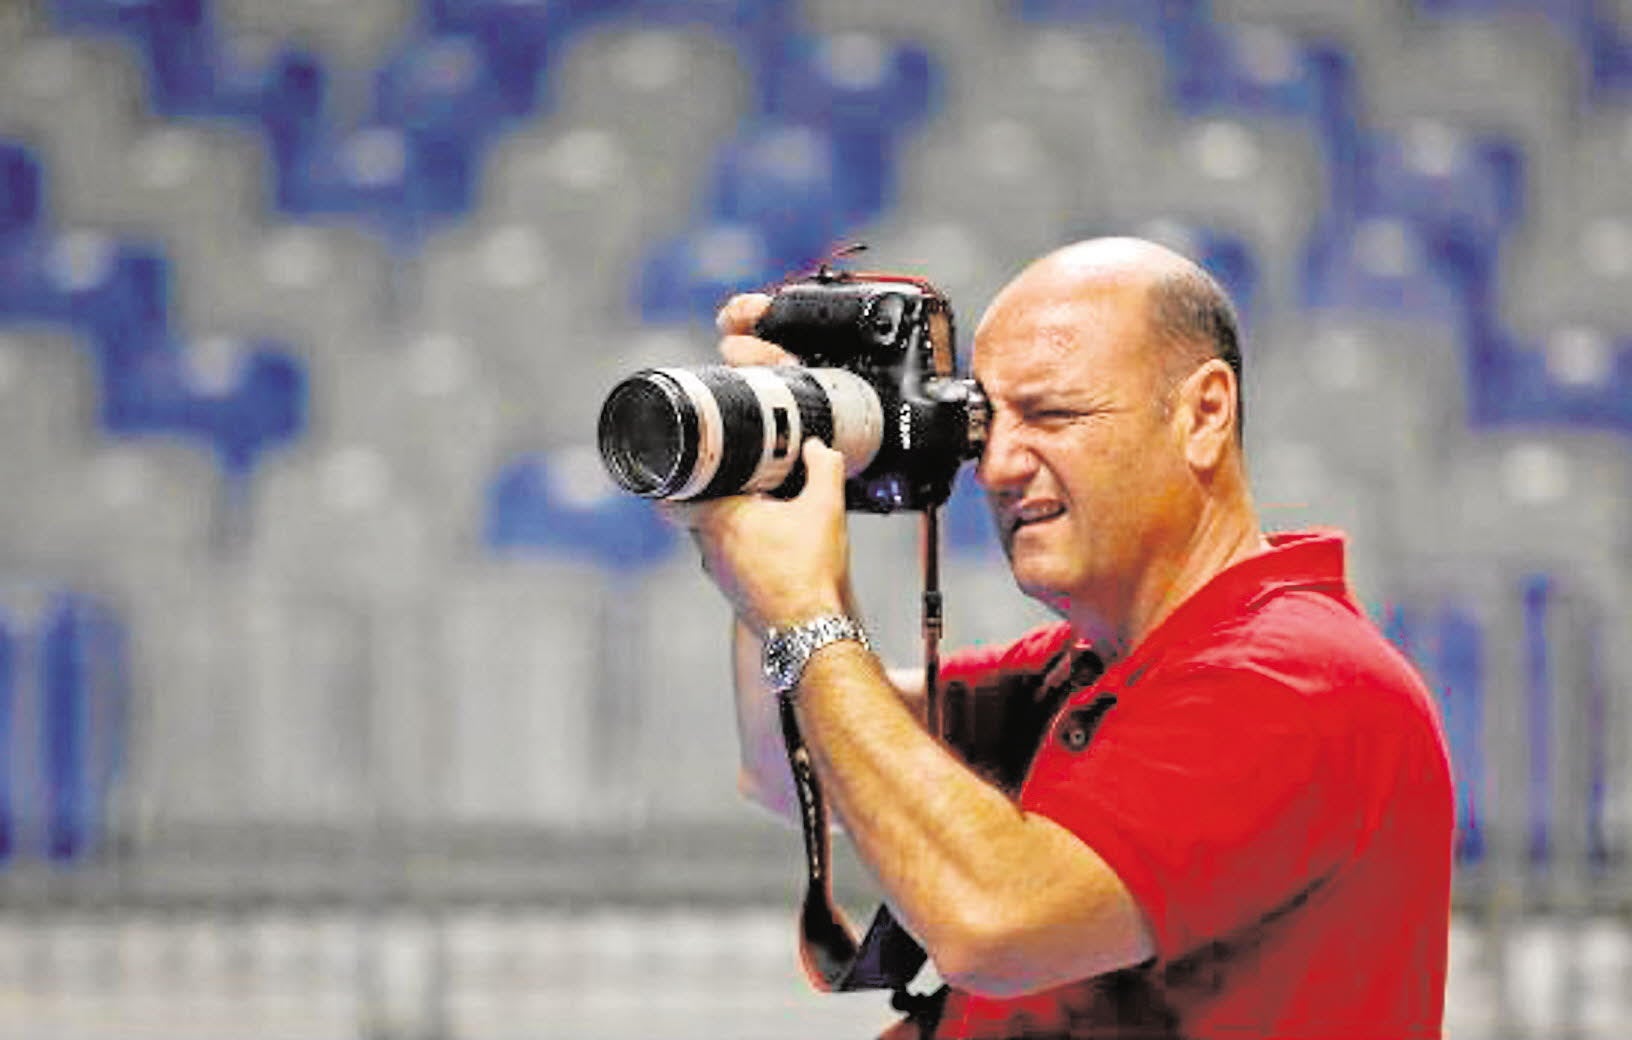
column 876, row 383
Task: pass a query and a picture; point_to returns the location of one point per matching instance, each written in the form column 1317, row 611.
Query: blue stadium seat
column 1446, row 642
column 84, row 698
column 176, row 39
column 450, row 103
column 1384, row 266
column 1540, row 714
column 115, row 294
column 1163, row 20
column 399, row 185
column 444, row 83
column 281, row 96
column 519, row 39
column 1263, row 69
column 793, row 183
column 1459, row 665
column 1609, row 59
column 21, row 198
column 563, row 504
column 238, row 406
column 1444, row 178
column 8, row 751
column 688, row 277
column 852, row 83
column 1577, row 376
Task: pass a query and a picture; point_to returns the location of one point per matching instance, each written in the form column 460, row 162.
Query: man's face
column 1083, row 468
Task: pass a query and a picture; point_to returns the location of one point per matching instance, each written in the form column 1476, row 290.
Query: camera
column 876, row 383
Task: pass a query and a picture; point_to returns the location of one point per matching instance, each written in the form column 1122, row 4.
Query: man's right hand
column 738, row 344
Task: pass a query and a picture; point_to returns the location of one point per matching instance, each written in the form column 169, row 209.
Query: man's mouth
column 1032, row 514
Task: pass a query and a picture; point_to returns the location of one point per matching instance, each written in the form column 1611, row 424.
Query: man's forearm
column 978, row 881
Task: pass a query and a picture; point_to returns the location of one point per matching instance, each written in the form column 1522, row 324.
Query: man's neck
column 1221, row 540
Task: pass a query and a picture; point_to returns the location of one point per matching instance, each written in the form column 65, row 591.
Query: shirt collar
column 1312, row 559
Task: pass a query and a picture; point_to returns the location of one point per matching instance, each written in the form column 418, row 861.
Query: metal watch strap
column 787, row 651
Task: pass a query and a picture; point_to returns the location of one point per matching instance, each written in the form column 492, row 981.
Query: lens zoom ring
column 744, row 430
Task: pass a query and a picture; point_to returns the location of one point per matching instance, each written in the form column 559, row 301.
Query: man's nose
column 1007, row 463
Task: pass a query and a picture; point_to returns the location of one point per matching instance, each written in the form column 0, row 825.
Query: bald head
column 1189, row 317
column 1113, row 461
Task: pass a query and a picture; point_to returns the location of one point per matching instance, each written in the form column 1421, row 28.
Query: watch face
column 778, row 659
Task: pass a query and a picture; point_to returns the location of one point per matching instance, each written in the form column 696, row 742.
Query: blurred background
column 340, row 696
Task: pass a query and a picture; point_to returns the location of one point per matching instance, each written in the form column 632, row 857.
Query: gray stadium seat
column 1569, row 271
column 322, row 289
column 583, row 184
column 48, row 402
column 685, row 746
column 1254, row 179
column 1095, row 94
column 1383, row 395
column 670, row 94
column 520, row 644
column 430, row 405
column 334, row 516
column 1298, row 483
column 1517, row 79
column 511, row 290
column 1001, row 176
column 1540, row 498
column 79, row 101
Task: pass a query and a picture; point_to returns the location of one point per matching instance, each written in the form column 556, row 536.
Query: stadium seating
column 380, row 260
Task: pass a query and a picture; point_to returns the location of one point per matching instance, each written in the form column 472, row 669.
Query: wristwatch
column 787, row 650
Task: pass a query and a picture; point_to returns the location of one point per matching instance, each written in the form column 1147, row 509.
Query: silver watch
column 787, row 650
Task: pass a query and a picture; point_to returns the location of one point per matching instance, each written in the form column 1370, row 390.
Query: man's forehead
column 1052, row 330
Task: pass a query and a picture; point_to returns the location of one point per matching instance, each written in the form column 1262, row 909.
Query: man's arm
column 765, row 777
column 1005, row 901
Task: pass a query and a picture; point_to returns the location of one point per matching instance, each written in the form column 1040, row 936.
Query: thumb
column 824, row 468
column 825, row 464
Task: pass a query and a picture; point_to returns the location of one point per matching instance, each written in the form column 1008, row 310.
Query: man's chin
column 1043, row 591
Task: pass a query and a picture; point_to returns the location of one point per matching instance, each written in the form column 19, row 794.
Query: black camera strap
column 887, row 957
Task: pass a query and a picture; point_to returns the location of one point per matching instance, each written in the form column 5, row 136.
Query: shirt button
column 1078, row 727
column 1074, row 735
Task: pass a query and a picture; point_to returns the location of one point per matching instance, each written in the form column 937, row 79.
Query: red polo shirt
column 1272, row 785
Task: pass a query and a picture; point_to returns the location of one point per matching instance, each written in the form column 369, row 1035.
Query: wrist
column 787, row 651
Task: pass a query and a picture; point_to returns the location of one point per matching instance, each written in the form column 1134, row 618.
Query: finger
column 824, row 466
column 740, row 312
column 747, row 350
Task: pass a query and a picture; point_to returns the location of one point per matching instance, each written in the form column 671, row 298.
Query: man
column 1242, row 827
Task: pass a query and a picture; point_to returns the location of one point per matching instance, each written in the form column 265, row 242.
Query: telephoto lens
column 708, row 431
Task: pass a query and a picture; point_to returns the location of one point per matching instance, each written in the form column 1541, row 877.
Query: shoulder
column 1317, row 659
column 1311, row 644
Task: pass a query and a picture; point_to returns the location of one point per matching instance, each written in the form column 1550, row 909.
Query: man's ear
column 1206, row 414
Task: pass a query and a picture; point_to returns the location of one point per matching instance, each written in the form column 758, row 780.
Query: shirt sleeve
column 980, row 664
column 1207, row 795
column 989, row 715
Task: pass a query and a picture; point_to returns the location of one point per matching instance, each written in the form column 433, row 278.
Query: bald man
column 1230, row 815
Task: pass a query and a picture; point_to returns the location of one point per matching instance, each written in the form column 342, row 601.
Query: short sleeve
column 980, row 664
column 1208, row 795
